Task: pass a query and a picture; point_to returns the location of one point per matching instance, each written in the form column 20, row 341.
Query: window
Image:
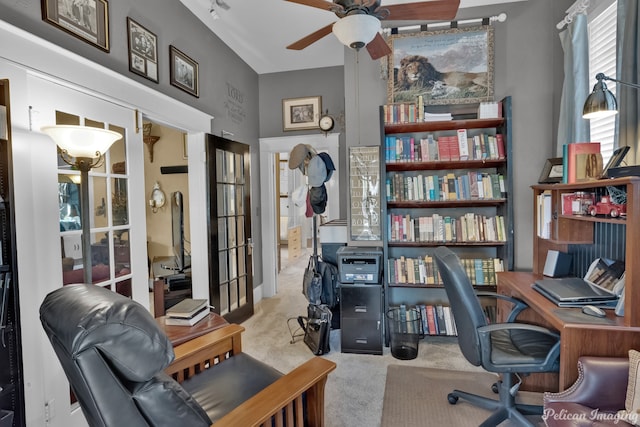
column 602, row 59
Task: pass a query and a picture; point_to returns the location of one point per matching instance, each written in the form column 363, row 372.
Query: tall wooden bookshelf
column 413, row 292
column 588, row 237
column 11, row 378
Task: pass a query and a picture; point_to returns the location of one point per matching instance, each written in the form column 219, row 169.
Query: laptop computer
column 573, row 292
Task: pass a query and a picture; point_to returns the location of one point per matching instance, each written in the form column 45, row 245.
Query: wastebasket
column 405, row 331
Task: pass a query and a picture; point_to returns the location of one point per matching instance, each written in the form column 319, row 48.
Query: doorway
column 268, row 148
column 168, row 222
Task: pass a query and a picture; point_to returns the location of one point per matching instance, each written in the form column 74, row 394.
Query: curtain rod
column 451, row 24
column 580, row 6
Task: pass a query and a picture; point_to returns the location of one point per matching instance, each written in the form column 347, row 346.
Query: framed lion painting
column 453, row 66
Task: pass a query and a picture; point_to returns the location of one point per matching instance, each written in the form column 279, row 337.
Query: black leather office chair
column 511, row 349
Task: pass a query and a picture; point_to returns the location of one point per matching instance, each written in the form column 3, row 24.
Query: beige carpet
column 417, row 397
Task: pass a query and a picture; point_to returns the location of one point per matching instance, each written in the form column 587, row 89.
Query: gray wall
column 327, row 82
column 527, row 56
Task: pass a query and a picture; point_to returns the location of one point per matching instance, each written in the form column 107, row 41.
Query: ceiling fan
column 360, row 21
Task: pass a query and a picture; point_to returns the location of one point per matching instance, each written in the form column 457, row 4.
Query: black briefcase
column 317, row 326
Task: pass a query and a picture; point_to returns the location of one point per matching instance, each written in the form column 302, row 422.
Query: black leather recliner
column 509, row 348
column 115, row 356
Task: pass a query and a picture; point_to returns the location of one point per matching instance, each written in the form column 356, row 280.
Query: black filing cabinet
column 361, row 299
column 361, row 318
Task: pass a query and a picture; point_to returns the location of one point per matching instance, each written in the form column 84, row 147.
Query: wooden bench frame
column 278, row 404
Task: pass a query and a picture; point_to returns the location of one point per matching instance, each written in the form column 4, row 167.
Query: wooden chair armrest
column 283, row 399
column 204, row 351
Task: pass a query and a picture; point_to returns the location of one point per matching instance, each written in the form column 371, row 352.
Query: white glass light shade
column 356, row 31
column 82, row 141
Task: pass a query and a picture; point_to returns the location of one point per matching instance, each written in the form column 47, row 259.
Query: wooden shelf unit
column 411, row 293
column 587, row 237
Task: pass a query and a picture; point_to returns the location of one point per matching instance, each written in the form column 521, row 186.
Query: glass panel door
column 231, row 281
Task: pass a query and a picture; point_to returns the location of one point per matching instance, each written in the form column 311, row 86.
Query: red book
column 454, row 148
column 584, row 161
column 500, row 144
column 431, row 320
column 444, row 153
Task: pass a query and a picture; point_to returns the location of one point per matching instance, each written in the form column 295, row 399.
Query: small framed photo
column 552, row 171
column 301, row 113
column 143, row 50
column 184, row 72
column 88, row 19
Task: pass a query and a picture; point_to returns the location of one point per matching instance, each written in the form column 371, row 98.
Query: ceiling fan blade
column 378, row 47
column 426, row 10
column 311, row 38
column 320, row 4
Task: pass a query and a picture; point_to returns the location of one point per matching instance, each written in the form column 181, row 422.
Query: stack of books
column 187, row 312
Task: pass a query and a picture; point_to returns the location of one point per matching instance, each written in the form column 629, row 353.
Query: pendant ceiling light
column 356, row 31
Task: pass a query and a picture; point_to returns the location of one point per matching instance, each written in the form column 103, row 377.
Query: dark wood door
column 230, row 244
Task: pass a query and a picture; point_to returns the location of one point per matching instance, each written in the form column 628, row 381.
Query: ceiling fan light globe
column 356, row 31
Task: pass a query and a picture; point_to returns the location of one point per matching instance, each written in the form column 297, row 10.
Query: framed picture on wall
column 184, row 72
column 452, row 66
column 143, row 50
column 88, row 20
column 301, row 113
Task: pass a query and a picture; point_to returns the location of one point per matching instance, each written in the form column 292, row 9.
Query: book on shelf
column 437, row 117
column 186, row 308
column 4, row 127
column 187, row 321
column 582, row 161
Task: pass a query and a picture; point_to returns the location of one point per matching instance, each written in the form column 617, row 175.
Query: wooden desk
column 580, row 334
column 181, row 334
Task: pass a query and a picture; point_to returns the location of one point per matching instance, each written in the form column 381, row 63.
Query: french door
column 230, row 245
column 117, row 222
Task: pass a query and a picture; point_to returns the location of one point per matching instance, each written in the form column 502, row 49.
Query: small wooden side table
column 181, row 334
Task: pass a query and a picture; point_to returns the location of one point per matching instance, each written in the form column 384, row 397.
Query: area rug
column 417, row 397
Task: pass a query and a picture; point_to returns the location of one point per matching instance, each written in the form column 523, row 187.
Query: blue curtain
column 575, row 43
column 628, row 43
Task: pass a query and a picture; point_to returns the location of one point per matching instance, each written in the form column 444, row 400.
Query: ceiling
column 259, row 31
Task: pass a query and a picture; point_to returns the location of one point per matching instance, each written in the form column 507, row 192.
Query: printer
column 362, row 265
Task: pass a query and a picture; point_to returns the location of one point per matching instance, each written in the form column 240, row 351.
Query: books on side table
column 187, row 312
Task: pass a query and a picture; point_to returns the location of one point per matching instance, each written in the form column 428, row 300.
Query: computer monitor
column 183, row 261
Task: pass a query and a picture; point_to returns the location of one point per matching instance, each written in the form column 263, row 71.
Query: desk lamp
column 601, row 102
column 83, row 147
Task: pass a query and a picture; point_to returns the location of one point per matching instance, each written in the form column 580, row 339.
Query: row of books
column 434, row 319
column 472, row 185
column 425, row 319
column 469, row 227
column 403, row 112
column 414, row 112
column 437, row 320
column 424, row 270
column 459, row 147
